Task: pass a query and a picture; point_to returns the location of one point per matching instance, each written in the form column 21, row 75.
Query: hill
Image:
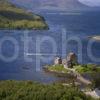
column 54, row 5
column 28, row 90
column 63, row 4
column 12, row 17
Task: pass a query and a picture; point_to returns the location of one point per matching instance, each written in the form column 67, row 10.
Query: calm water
column 79, row 25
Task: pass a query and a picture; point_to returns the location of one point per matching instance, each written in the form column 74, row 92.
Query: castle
column 69, row 62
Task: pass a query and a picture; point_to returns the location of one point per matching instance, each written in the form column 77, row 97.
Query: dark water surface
column 77, row 25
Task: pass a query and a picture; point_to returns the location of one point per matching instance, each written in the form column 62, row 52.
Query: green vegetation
column 57, row 68
column 89, row 68
column 82, row 69
column 12, row 17
column 96, row 81
column 27, row 90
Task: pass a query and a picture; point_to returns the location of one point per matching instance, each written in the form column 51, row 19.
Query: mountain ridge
column 52, row 4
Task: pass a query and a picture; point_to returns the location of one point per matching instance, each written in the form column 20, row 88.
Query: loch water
column 63, row 26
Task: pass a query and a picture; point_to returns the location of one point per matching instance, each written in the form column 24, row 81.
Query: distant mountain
column 52, row 4
column 62, row 4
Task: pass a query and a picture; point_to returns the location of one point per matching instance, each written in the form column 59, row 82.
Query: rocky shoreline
column 97, row 38
column 58, row 74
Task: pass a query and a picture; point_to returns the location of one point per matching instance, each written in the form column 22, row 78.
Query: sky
column 91, row 2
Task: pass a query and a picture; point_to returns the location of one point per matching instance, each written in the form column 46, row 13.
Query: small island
column 12, row 17
column 87, row 74
column 71, row 65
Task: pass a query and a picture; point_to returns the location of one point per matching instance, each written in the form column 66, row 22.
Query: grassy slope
column 12, row 17
column 57, row 68
column 27, row 90
column 89, row 68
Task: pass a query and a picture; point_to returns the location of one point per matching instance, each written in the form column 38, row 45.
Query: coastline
column 97, row 38
column 77, row 76
column 55, row 73
column 13, row 17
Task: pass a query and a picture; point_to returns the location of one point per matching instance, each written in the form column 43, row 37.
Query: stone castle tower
column 69, row 62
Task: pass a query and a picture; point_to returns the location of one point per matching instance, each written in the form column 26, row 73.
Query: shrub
column 27, row 90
